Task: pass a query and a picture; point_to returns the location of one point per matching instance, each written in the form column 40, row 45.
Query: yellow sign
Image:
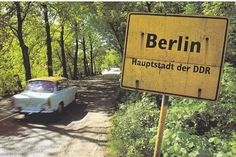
column 173, row 54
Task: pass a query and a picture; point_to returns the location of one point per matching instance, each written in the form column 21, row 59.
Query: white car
column 112, row 71
column 44, row 95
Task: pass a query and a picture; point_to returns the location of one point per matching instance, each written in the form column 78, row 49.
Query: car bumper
column 31, row 110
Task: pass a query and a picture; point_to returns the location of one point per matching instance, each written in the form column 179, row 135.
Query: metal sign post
column 161, row 125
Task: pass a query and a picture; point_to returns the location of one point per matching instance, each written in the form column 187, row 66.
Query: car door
column 61, row 93
column 71, row 92
column 66, row 92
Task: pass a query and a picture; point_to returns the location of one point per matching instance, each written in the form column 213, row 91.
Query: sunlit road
column 80, row 132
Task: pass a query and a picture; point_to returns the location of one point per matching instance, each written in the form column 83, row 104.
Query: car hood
column 28, row 94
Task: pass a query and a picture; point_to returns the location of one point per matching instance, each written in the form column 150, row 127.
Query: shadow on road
column 100, row 97
column 73, row 112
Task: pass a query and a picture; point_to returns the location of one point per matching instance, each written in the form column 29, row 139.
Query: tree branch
column 148, row 5
column 13, row 29
column 26, row 11
column 58, row 55
column 116, row 35
column 69, row 54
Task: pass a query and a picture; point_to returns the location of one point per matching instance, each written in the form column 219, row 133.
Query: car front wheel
column 76, row 97
column 60, row 108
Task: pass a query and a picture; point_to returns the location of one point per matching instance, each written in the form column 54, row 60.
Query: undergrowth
column 193, row 128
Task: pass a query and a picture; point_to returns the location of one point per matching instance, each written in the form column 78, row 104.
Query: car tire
column 26, row 115
column 60, row 109
column 76, row 97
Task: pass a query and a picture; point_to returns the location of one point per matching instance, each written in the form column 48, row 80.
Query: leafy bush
column 129, row 97
column 204, row 128
column 218, row 118
column 133, row 129
column 194, row 128
column 228, row 85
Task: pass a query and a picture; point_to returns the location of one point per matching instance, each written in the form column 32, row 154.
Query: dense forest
column 72, row 40
column 79, row 39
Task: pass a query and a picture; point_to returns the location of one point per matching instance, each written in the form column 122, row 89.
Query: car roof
column 115, row 68
column 50, row 78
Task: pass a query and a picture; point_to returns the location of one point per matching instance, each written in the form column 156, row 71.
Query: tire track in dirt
column 100, row 98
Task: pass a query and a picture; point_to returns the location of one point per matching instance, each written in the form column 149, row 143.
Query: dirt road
column 80, row 132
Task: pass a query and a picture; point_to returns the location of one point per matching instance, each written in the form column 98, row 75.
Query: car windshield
column 116, row 70
column 41, row 86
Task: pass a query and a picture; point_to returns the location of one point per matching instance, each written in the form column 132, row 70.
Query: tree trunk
column 117, row 35
column 70, row 72
column 24, row 48
column 76, row 59
column 91, row 57
column 85, row 58
column 63, row 56
column 148, row 4
column 69, row 69
column 95, row 70
column 48, row 40
column 75, row 77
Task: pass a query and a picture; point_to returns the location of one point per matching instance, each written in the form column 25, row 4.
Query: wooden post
column 161, row 125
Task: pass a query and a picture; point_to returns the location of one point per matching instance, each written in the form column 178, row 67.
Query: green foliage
column 132, row 131
column 35, row 35
column 193, row 129
column 227, row 9
column 228, row 89
column 133, row 97
column 203, row 128
column 106, row 32
column 111, row 59
column 193, row 8
column 218, row 119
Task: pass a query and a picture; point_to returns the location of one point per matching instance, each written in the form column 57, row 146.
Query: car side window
column 62, row 84
column 65, row 83
column 59, row 85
